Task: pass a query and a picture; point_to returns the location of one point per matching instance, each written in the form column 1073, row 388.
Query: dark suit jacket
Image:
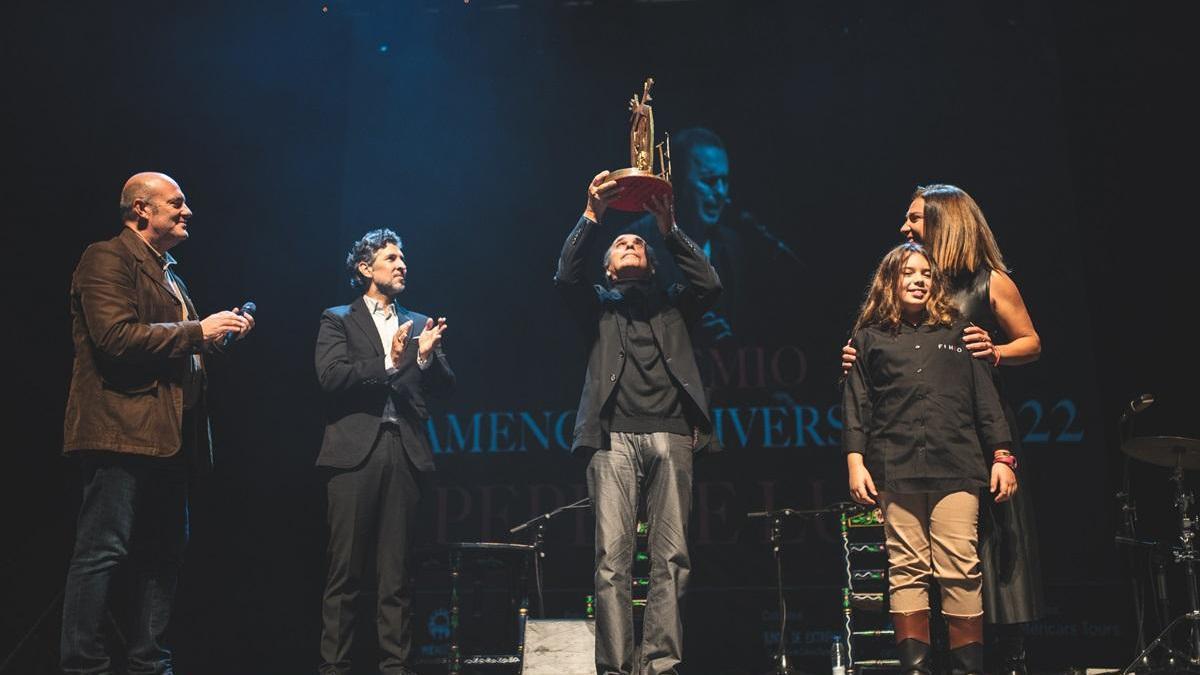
column 131, row 356
column 596, row 309
column 350, row 369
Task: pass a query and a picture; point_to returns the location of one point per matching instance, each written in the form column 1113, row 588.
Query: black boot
column 914, row 657
column 967, row 660
column 966, row 642
column 1012, row 654
column 912, row 642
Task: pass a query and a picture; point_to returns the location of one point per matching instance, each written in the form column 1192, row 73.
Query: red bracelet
column 1008, row 460
column 996, row 357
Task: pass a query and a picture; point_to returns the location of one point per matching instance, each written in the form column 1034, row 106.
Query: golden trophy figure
column 639, row 182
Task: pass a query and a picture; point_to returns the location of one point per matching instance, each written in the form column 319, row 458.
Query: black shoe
column 967, row 660
column 914, row 657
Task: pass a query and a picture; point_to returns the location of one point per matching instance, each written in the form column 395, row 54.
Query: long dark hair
column 881, row 307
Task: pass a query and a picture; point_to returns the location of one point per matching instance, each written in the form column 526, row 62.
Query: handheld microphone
column 1136, row 406
column 248, row 308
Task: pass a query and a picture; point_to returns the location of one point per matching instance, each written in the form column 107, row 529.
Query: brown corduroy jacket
column 132, row 353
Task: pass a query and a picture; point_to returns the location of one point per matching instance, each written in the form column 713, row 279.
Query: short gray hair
column 651, row 258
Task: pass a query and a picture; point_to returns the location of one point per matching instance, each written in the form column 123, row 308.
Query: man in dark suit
column 136, row 417
column 642, row 415
column 376, row 362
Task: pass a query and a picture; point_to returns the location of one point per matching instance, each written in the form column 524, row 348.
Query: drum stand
column 1187, row 554
column 1155, row 553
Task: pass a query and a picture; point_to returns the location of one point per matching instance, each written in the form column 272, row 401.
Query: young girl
column 916, row 407
column 952, row 227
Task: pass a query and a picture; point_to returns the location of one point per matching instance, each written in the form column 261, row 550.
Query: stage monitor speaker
column 560, row 647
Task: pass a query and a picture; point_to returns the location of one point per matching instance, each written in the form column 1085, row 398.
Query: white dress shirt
column 387, row 323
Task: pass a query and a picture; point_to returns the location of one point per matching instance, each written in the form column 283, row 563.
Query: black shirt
column 646, row 400
column 917, row 405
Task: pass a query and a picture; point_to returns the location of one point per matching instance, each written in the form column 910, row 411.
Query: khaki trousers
column 933, row 534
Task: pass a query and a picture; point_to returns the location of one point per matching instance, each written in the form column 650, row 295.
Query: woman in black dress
column 950, row 224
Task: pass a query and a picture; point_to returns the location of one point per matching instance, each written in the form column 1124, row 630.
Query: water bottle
column 837, row 655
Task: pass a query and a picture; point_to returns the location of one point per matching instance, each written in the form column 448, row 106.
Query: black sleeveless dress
column 1008, row 542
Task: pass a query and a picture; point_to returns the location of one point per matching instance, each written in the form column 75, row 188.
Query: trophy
column 639, row 182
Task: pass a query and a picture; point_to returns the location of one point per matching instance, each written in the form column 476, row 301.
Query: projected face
column 168, row 214
column 627, row 258
column 387, row 271
column 913, row 227
column 914, row 284
column 705, row 192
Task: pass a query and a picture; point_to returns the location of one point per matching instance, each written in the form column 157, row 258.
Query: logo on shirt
column 953, row 348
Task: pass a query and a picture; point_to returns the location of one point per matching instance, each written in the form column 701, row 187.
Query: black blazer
column 596, row 310
column 349, row 360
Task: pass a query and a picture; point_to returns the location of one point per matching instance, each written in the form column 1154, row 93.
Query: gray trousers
column 658, row 465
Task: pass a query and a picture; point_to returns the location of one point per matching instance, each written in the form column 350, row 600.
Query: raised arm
column 437, row 377
column 702, row 286
column 570, row 277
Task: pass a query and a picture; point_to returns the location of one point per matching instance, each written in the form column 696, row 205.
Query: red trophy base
column 637, row 187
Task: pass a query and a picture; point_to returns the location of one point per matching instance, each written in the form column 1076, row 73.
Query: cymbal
column 1168, row 451
column 487, row 546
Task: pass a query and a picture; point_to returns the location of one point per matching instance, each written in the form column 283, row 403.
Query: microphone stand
column 539, row 540
column 782, row 667
column 1128, row 535
column 747, row 221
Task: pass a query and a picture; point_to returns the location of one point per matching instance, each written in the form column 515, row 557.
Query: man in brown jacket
column 136, row 417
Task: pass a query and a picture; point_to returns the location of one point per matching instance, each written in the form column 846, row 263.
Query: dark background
column 472, row 130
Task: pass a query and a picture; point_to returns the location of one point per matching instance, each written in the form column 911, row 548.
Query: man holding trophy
column 643, row 412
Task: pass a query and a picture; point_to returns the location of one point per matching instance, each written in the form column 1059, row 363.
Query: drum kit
column 1180, row 455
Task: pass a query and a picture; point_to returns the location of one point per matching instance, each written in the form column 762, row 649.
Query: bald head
column 142, row 186
column 153, row 204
